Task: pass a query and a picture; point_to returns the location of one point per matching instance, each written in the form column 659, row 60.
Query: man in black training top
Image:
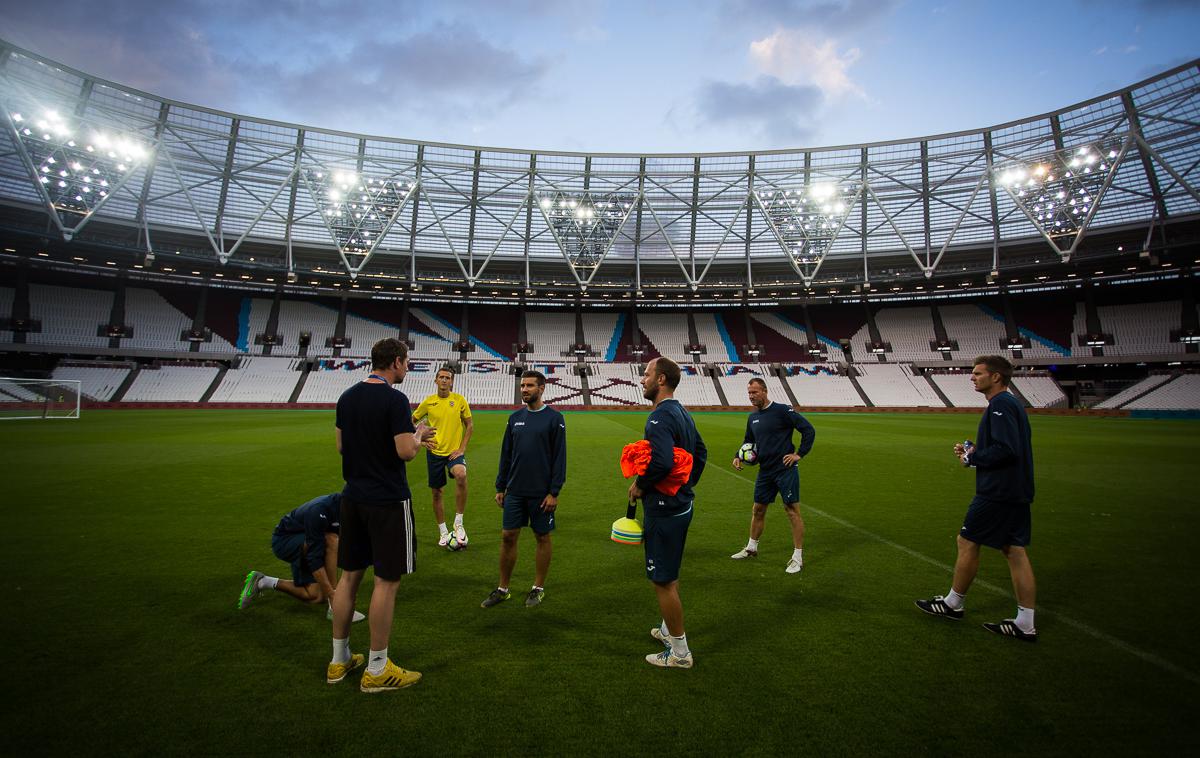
column 307, row 538
column 375, row 436
column 667, row 516
column 533, row 469
column 769, row 429
column 998, row 517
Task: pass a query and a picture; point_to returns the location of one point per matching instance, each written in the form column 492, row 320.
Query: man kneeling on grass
column 307, row 538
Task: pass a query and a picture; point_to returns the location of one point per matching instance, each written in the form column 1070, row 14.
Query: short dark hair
column 996, row 364
column 757, row 380
column 447, row 369
column 668, row 369
column 386, row 351
column 531, row 374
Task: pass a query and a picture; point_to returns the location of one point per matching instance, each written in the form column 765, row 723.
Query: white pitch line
column 1120, row 644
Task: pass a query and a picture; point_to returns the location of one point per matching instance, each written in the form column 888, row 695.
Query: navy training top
column 670, row 426
column 770, row 429
column 314, row 520
column 533, row 455
column 370, row 416
column 1003, row 454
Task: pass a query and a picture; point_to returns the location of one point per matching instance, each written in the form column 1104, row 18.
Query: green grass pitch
column 128, row 534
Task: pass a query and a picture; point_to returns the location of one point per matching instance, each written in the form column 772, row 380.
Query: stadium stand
column 710, row 331
column 668, row 332
column 976, row 330
column 170, row 383
column 496, row 328
column 893, row 385
column 958, row 389
column 615, row 384
column 696, row 389
column 364, row 332
column 1142, row 328
column 6, row 306
column 296, row 316
column 442, row 328
column 70, row 316
column 836, row 322
column 734, row 377
column 909, row 331
column 487, row 383
column 157, row 325
column 782, row 340
column 563, row 385
column 327, row 380
column 820, row 385
column 1040, row 391
column 1046, row 321
column 258, row 379
column 603, row 332
column 1181, row 394
column 734, row 321
column 1138, row 388
column 551, row 332
column 223, row 316
column 97, row 381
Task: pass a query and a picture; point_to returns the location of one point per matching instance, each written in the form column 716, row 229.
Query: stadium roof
column 102, row 164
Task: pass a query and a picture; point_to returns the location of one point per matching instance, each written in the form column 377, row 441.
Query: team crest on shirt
column 451, row 403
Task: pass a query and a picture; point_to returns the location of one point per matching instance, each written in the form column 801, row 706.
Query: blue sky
column 727, row 75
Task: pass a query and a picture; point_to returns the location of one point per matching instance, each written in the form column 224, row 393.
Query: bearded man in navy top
column 999, row 516
column 533, row 469
column 667, row 517
column 769, row 429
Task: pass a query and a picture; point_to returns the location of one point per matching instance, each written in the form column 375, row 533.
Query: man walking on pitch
column 375, row 437
column 769, row 429
column 533, row 469
column 999, row 516
column 307, row 538
column 450, row 415
column 667, row 517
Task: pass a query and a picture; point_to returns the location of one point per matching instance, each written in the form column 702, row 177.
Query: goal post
column 39, row 398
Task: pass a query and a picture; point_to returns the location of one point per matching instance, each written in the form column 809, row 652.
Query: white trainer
column 657, row 634
column 744, row 553
column 794, row 566
column 460, row 534
column 443, row 539
column 354, row 620
column 668, row 660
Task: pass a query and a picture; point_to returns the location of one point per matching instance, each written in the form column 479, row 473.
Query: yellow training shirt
column 448, row 415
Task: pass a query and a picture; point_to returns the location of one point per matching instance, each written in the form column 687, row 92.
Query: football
column 454, row 544
column 748, row 453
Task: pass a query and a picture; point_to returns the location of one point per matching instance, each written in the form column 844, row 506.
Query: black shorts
column 437, row 466
column 663, row 536
column 997, row 524
column 521, row 511
column 785, row 483
column 290, row 549
column 381, row 536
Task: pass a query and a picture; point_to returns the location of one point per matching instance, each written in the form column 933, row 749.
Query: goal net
column 39, row 398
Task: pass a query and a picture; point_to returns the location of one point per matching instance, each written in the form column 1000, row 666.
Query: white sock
column 662, row 629
column 679, row 645
column 752, row 544
column 442, row 528
column 377, row 662
column 955, row 600
column 457, row 520
column 538, row 588
column 341, row 651
column 1024, row 619
column 267, row 582
column 798, row 555
column 503, row 589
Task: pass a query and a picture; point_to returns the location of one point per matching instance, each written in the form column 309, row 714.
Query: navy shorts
column 997, row 524
column 379, row 536
column 522, row 511
column 438, row 465
column 785, row 483
column 664, row 535
column 289, row 548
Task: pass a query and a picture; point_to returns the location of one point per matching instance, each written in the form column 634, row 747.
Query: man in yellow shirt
column 449, row 413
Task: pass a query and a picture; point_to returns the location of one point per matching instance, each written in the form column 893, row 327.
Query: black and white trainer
column 936, row 606
column 1009, row 628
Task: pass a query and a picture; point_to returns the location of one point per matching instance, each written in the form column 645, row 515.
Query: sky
column 633, row 77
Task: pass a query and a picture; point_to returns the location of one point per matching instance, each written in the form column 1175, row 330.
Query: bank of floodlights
column 77, row 166
column 358, row 209
column 1059, row 192
column 584, row 224
column 808, row 219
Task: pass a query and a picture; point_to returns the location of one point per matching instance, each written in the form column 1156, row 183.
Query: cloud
column 801, row 56
column 780, row 113
column 831, row 15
